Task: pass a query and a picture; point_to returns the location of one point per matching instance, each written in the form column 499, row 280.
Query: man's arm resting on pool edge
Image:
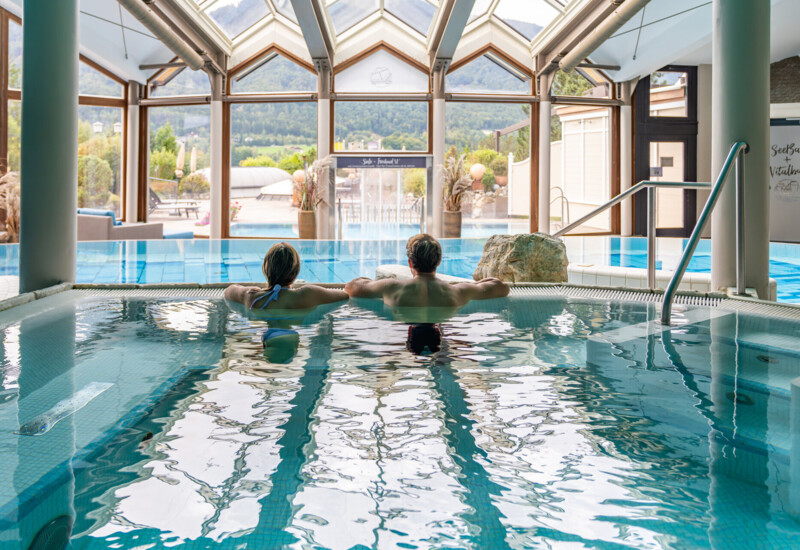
column 362, row 287
column 484, row 289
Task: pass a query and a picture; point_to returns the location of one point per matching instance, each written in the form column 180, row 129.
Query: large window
column 380, row 126
column 273, row 73
column 178, row 186
column 101, row 128
column 270, row 143
column 100, row 158
column 495, row 141
column 488, row 74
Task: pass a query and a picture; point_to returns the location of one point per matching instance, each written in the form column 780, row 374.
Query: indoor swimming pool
column 541, row 421
column 210, row 261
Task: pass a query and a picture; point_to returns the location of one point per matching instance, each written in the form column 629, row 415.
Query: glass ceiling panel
column 346, row 13
column 418, row 14
column 273, row 73
column 527, row 17
column 478, row 9
column 236, row 16
column 284, row 7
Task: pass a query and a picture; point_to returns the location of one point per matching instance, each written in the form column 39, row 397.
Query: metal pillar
column 326, row 217
column 437, row 133
column 626, row 157
column 132, row 155
column 545, row 113
column 48, row 238
column 740, row 75
column 216, row 206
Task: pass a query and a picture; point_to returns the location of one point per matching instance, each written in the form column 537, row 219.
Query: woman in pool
column 280, row 304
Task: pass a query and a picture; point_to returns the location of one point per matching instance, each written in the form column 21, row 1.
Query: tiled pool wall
column 213, row 261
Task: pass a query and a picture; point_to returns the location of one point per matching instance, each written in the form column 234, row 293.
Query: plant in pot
column 499, row 167
column 308, row 188
column 457, row 182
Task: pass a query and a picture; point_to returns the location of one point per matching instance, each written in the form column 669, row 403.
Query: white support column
column 545, row 113
column 434, row 223
column 131, row 182
column 326, row 215
column 626, row 156
column 49, row 174
column 741, row 88
column 215, row 208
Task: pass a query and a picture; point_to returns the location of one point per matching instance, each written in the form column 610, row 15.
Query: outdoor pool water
column 385, row 231
column 541, row 422
column 213, row 261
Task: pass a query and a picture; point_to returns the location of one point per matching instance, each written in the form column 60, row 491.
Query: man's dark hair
column 425, row 253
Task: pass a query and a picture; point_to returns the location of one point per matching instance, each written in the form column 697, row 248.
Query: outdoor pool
column 214, row 261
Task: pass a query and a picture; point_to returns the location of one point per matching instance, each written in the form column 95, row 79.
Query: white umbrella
column 193, row 160
column 179, row 162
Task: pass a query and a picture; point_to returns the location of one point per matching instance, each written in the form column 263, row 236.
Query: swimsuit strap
column 270, row 296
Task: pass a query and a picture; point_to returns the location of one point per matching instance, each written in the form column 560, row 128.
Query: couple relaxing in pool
column 424, row 298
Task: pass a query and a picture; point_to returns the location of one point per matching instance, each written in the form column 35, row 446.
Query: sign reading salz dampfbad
column 380, row 162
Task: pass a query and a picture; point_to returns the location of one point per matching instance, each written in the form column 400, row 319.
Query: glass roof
column 417, row 14
column 347, row 13
column 284, row 7
column 527, row 17
column 479, row 8
column 236, row 16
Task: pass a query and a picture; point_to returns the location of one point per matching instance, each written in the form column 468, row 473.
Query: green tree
column 162, row 164
column 94, row 181
column 570, row 84
column 164, row 139
column 414, row 182
column 261, row 160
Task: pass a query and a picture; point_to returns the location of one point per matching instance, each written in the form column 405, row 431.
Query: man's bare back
column 425, row 290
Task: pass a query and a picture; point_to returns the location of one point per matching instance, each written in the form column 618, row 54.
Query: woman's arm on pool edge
column 239, row 293
column 313, row 295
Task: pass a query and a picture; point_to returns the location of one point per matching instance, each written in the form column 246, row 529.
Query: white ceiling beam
column 314, row 26
column 450, row 23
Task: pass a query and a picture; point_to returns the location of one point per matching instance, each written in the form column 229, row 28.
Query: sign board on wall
column 784, row 169
column 381, row 162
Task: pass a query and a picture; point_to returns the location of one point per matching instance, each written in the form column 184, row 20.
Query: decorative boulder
column 536, row 258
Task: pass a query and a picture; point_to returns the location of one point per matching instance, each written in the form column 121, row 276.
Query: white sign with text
column 784, row 170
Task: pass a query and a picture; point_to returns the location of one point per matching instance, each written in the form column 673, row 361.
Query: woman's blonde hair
column 281, row 265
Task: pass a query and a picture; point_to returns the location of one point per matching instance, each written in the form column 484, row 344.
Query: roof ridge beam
column 574, row 29
column 181, row 23
column 314, row 28
column 450, row 25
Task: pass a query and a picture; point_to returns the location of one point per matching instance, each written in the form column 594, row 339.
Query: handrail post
column 741, row 283
column 651, row 238
column 739, row 148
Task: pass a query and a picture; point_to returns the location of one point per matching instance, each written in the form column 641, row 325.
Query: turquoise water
column 213, row 261
column 541, row 422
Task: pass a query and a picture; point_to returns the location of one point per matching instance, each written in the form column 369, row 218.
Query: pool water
column 470, row 229
column 214, row 261
column 541, row 422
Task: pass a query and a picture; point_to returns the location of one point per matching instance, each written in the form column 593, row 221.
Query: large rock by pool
column 535, row 258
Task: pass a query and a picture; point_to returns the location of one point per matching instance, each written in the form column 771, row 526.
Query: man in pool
column 425, row 290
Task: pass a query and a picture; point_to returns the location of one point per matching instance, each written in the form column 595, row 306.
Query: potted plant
column 456, row 183
column 499, row 167
column 310, row 194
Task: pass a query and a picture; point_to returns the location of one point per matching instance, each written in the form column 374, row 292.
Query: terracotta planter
column 307, row 224
column 452, row 225
column 502, row 181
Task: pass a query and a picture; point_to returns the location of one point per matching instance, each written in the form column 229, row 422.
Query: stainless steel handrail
column 735, row 156
column 651, row 187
